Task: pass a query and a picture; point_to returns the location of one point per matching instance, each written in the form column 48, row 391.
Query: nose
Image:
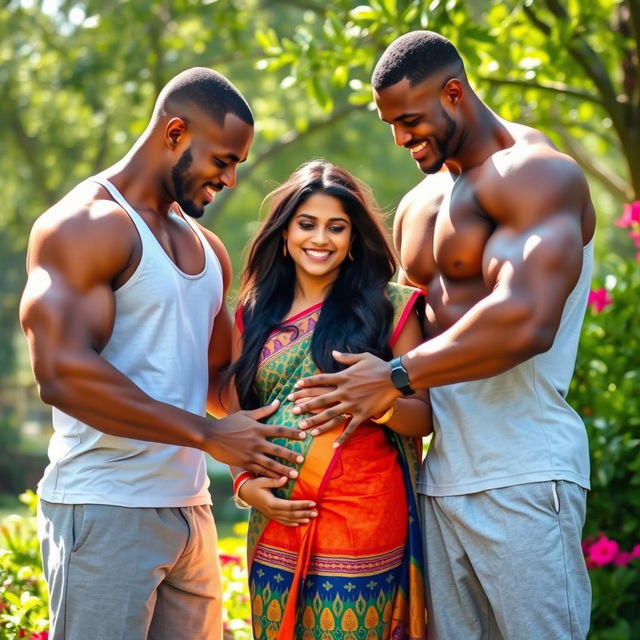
column 228, row 177
column 320, row 236
column 400, row 135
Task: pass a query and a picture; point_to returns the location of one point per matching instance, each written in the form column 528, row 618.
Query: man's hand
column 241, row 441
column 362, row 390
column 291, row 513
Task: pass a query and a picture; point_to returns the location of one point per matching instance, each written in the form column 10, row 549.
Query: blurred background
column 78, row 79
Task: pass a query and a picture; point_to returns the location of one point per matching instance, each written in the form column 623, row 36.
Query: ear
column 175, row 129
column 453, row 91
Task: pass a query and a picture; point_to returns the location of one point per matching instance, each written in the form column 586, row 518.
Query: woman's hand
column 258, row 493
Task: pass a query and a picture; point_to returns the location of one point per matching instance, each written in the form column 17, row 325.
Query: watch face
column 399, row 376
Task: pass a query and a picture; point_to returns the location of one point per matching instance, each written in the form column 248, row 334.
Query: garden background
column 78, row 79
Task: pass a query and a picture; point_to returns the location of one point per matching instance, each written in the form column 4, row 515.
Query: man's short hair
column 415, row 56
column 207, row 90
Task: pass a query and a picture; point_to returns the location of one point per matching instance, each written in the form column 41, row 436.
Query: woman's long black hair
column 356, row 316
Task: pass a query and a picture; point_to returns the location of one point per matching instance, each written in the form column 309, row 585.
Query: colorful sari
column 355, row 571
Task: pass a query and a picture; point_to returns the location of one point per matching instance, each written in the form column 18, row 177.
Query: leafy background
column 78, row 79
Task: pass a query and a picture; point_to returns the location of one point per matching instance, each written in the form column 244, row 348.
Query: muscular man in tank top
column 128, row 332
column 500, row 235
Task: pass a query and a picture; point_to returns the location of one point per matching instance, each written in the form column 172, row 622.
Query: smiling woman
column 321, row 553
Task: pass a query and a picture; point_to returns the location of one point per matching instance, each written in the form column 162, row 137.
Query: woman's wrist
column 238, row 482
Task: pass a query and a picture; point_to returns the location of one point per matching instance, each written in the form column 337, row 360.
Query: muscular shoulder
column 85, row 235
column 221, row 253
column 530, row 181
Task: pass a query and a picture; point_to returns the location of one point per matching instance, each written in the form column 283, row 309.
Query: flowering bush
column 615, row 580
column 237, row 611
column 604, row 391
column 23, row 591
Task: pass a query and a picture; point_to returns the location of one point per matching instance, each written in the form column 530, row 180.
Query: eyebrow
column 311, row 217
column 402, row 116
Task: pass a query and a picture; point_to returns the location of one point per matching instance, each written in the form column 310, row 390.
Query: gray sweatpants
column 117, row 573
column 507, row 564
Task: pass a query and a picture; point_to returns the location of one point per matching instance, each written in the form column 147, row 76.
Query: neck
column 310, row 291
column 137, row 177
column 483, row 134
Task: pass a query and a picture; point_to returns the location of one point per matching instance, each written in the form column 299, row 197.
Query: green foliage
column 23, row 591
column 614, row 614
column 604, row 391
column 615, row 578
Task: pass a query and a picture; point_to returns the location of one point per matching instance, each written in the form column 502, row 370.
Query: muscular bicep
column 537, row 268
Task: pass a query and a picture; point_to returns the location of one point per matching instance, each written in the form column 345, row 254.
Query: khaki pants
column 118, row 573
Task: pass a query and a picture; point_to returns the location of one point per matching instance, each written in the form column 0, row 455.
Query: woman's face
column 318, row 237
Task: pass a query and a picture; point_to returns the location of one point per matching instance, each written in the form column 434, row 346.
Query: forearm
column 90, row 389
column 412, row 417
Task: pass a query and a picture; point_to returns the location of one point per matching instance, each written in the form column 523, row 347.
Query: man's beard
column 442, row 145
column 178, row 175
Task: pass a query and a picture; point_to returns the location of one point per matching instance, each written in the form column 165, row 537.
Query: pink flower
column 39, row 635
column 621, row 559
column 630, row 215
column 226, row 558
column 635, row 236
column 599, row 299
column 602, row 552
column 635, row 552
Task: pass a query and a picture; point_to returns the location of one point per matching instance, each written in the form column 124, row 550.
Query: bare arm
column 531, row 264
column 67, row 312
column 220, row 348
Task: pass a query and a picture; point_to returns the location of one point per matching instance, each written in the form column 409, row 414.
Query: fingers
column 323, row 401
column 275, row 431
column 319, row 380
column 272, row 483
column 348, row 431
column 348, row 358
column 309, row 392
column 263, row 465
column 331, row 417
column 292, row 512
column 264, row 412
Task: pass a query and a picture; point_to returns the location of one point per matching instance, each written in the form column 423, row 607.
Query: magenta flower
column 39, row 635
column 635, row 552
column 599, row 299
column 622, row 559
column 227, row 558
column 602, row 552
column 630, row 215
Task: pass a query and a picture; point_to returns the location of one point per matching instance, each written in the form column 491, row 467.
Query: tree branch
column 619, row 187
column 555, row 87
column 633, row 7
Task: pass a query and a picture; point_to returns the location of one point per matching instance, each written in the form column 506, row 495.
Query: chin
column 191, row 209
column 434, row 167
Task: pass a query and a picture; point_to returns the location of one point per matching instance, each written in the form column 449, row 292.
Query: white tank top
column 516, row 427
column 163, row 323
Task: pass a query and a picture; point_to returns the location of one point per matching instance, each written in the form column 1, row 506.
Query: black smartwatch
column 400, row 377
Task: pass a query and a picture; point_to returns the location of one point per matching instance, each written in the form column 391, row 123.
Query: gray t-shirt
column 515, row 427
